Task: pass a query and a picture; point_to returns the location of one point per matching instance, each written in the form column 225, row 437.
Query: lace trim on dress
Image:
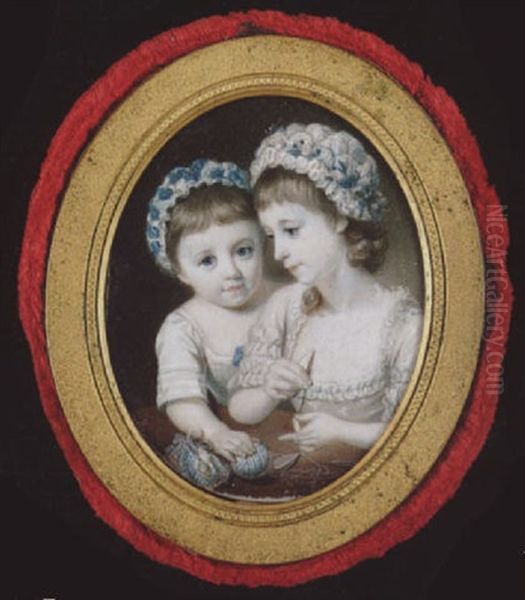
column 335, row 392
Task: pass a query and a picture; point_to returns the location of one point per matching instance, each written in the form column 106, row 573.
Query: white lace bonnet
column 335, row 161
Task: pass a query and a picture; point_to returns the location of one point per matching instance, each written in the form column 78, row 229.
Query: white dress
column 360, row 360
column 187, row 367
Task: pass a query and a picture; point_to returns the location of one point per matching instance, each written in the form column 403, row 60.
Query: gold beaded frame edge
column 100, row 184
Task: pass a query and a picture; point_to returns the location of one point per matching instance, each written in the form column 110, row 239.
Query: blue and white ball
column 197, row 463
column 254, row 465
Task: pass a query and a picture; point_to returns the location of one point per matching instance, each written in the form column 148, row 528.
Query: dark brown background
column 55, row 547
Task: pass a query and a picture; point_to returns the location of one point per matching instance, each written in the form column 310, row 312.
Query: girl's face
column 307, row 243
column 223, row 264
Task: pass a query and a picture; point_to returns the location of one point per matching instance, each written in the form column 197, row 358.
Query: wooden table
column 309, row 472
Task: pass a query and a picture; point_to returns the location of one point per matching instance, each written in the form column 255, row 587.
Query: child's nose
column 280, row 252
column 230, row 268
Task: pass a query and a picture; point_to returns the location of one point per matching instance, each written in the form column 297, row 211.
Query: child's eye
column 291, row 231
column 207, row 261
column 245, row 251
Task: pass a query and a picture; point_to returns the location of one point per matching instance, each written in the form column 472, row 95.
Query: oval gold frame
column 100, row 184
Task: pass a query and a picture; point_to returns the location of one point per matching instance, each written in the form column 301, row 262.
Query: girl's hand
column 284, row 379
column 315, row 430
column 229, row 443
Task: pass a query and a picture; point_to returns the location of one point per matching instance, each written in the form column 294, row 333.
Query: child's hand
column 284, row 379
column 230, row 444
column 315, row 430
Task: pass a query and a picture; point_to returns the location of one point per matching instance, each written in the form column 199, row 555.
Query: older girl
column 338, row 344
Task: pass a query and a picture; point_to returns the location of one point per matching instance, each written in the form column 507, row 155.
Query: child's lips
column 232, row 289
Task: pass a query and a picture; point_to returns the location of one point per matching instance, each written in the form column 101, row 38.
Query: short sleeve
column 266, row 340
column 403, row 345
column 181, row 364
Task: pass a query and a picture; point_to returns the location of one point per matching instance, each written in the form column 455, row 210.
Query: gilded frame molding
column 100, row 184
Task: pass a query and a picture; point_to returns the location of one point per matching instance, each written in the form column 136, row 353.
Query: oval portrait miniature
column 265, row 304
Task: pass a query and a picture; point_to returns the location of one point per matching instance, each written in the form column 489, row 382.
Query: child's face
column 223, row 264
column 307, row 243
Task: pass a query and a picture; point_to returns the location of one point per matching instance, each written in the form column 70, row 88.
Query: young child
column 202, row 228
column 337, row 344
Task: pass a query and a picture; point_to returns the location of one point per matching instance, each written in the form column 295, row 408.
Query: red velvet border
column 90, row 110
